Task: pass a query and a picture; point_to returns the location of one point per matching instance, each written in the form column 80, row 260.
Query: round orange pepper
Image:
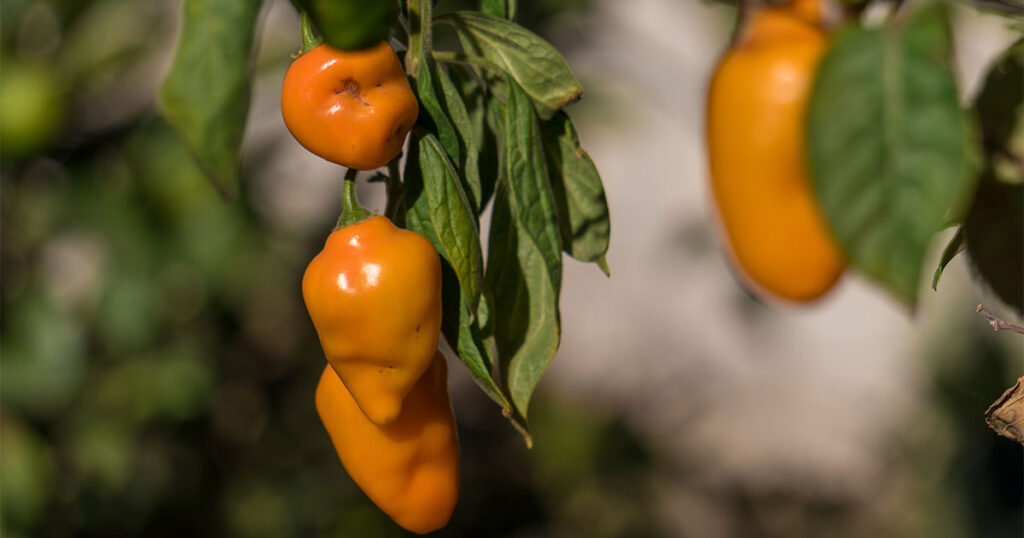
column 408, row 468
column 757, row 103
column 353, row 108
column 374, row 295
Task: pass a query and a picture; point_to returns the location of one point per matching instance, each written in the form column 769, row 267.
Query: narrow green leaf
column 437, row 119
column 469, row 145
column 887, row 149
column 440, row 200
column 475, row 97
column 460, row 327
column 579, row 195
column 352, row 24
column 524, row 267
column 526, row 57
column 206, row 95
column 956, row 245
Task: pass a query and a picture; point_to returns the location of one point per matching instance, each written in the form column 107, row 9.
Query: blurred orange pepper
column 408, row 468
column 353, row 108
column 757, row 103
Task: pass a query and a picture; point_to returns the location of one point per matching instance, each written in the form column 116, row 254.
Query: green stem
column 394, row 190
column 459, row 58
column 420, row 39
column 351, row 210
column 309, row 37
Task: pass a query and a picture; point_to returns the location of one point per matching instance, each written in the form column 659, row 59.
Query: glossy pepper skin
column 374, row 295
column 408, row 468
column 757, row 103
column 353, row 108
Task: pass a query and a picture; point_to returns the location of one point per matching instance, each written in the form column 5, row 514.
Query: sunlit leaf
column 579, row 195
column 526, row 57
column 524, row 255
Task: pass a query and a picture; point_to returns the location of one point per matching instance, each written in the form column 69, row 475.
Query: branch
column 998, row 324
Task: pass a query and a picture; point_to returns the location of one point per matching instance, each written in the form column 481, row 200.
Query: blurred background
column 158, row 365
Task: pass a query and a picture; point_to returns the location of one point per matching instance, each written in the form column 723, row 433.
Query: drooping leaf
column 469, row 145
column 436, row 119
column 956, row 245
column 888, row 145
column 526, row 57
column 579, row 195
column 440, row 199
column 352, row 24
column 524, row 268
column 460, row 327
column 477, row 100
column 206, row 95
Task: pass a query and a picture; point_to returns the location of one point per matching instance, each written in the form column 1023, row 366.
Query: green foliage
column 534, row 64
column 31, row 107
column 352, row 24
column 887, row 145
column 440, row 210
column 579, row 195
column 524, row 254
column 956, row 245
column 206, row 96
column 481, row 130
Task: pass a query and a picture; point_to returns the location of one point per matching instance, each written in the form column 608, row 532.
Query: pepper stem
column 351, row 210
column 309, row 37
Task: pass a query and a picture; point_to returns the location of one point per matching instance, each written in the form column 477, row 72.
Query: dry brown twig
column 998, row 324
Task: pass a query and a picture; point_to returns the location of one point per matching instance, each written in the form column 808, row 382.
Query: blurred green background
column 158, row 365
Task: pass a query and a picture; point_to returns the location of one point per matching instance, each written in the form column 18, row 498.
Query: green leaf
column 526, row 57
column 956, row 245
column 352, row 24
column 437, row 119
column 206, row 95
column 999, row 102
column 887, row 145
column 475, row 97
column 994, row 231
column 467, row 133
column 524, row 268
column 438, row 198
column 504, row 9
column 1000, row 110
column 461, row 328
column 579, row 195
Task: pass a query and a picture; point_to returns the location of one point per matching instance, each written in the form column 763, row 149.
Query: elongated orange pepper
column 757, row 103
column 408, row 468
column 374, row 295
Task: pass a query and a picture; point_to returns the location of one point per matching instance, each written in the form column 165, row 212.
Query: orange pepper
column 408, row 468
column 374, row 295
column 757, row 103
column 353, row 108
